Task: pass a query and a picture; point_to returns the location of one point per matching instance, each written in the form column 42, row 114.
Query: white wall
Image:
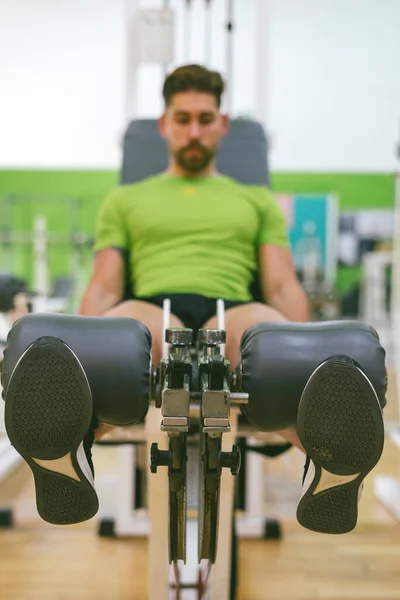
column 334, row 83
column 61, row 81
column 331, row 77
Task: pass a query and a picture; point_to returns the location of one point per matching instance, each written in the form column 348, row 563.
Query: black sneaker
column 48, row 415
column 341, row 427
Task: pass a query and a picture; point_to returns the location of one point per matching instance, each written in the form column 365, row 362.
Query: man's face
column 192, row 127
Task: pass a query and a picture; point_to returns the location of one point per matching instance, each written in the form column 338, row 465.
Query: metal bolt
column 231, row 460
column 179, row 336
column 212, row 337
column 158, row 458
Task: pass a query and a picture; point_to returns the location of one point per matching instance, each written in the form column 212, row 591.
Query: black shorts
column 192, row 309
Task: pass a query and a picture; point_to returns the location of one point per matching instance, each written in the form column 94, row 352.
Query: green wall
column 356, row 191
column 88, row 187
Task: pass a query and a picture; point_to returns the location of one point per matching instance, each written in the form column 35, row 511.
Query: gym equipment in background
column 387, row 489
column 31, row 252
column 312, row 221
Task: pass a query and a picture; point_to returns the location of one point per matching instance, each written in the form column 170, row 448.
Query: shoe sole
column 48, row 411
column 340, row 425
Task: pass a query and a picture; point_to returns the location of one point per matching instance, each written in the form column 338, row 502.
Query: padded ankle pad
column 277, row 359
column 114, row 352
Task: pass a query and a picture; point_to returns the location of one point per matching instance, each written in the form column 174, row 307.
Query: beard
column 196, row 162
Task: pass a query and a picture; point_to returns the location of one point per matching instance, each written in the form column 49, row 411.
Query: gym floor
column 39, row 561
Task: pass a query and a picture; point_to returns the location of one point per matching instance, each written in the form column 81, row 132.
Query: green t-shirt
column 196, row 236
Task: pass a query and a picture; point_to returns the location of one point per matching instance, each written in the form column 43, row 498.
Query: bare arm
column 280, row 285
column 106, row 286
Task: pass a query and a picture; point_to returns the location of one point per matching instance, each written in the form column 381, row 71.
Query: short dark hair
column 193, row 77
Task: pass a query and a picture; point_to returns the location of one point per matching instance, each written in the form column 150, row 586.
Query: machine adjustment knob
column 179, row 336
column 158, row 458
column 231, row 460
column 212, row 337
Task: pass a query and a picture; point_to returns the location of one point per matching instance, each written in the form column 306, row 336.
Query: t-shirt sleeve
column 274, row 228
column 111, row 230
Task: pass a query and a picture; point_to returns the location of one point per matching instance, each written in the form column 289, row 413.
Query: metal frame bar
column 154, row 521
column 387, row 489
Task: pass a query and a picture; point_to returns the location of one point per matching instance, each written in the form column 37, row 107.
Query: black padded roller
column 114, row 352
column 276, row 360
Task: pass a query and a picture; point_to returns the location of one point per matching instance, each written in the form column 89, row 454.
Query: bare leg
column 152, row 317
column 237, row 320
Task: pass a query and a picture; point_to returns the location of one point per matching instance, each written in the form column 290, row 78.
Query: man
column 195, row 235
column 192, row 235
